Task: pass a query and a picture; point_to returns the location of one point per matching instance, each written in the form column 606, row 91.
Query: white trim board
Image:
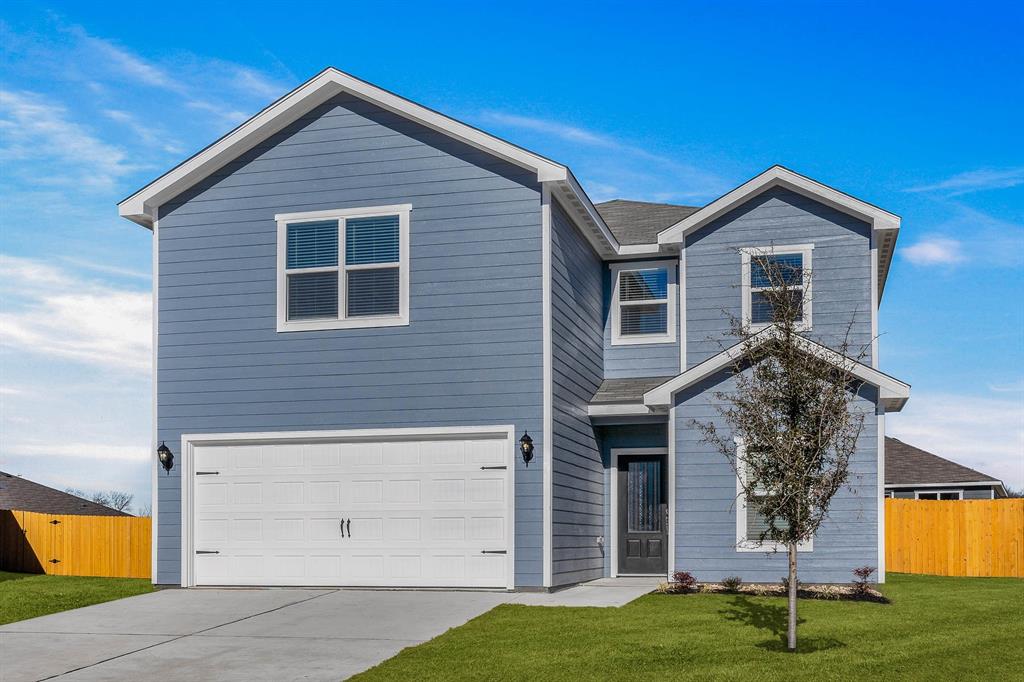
column 547, row 438
column 343, row 321
column 806, row 251
column 891, row 486
column 187, row 471
column 154, row 511
column 743, row 544
column 671, row 269
column 613, row 526
column 140, row 206
column 885, row 225
column 893, row 393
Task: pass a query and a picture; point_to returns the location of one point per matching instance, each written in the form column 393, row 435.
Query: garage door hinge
column 207, row 473
column 206, row 551
column 493, row 551
column 494, row 467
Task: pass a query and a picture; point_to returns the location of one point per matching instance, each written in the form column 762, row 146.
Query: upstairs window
column 341, row 269
column 643, row 307
column 939, row 495
column 792, row 264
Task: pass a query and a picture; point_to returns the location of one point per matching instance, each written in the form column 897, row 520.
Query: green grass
column 934, row 629
column 23, row 595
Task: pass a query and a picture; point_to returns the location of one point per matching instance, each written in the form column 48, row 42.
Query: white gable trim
column 141, row 206
column 885, row 226
column 893, row 393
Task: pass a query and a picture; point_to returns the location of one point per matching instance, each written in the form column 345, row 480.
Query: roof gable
column 893, row 393
column 885, row 226
column 141, row 206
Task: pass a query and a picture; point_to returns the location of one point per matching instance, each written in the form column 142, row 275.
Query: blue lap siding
column 472, row 354
column 706, row 503
column 577, row 371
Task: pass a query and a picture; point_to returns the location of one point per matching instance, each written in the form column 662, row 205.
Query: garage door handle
column 348, row 526
column 341, row 526
column 485, row 468
column 206, row 551
column 493, row 551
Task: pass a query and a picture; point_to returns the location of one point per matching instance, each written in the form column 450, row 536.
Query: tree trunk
column 791, row 629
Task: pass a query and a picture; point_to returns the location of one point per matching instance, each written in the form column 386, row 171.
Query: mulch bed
column 825, row 592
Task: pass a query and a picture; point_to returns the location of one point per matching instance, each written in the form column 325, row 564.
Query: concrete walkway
column 257, row 634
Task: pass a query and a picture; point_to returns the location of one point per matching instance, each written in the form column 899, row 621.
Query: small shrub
column 663, row 588
column 785, row 583
column 732, row 583
column 683, row 581
column 861, row 588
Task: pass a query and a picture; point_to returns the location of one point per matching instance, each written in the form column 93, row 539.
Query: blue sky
column 916, row 108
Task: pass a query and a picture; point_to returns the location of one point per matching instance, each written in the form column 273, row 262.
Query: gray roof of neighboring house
column 907, row 465
column 614, row 391
column 24, row 495
column 639, row 222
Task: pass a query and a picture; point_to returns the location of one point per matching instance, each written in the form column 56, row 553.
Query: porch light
column 526, row 447
column 166, row 457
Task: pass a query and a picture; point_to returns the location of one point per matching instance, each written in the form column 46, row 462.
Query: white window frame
column 804, row 250
column 343, row 322
column 938, row 494
column 743, row 544
column 671, row 268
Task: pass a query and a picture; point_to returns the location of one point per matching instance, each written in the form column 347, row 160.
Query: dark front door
column 643, row 517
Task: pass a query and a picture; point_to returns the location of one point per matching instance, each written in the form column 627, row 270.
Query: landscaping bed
column 936, row 628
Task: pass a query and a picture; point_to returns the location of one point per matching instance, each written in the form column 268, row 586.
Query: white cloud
column 255, row 83
column 975, row 180
column 51, row 312
column 1012, row 387
column 612, row 168
column 934, row 250
column 33, row 128
column 982, row 433
column 147, row 134
column 90, row 450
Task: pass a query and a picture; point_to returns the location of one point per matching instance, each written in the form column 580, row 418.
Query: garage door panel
column 418, row 513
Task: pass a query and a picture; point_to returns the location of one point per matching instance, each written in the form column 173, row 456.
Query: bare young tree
column 792, row 415
column 115, row 499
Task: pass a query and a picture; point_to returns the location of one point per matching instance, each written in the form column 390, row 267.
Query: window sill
column 761, row 326
column 752, row 546
column 352, row 323
column 643, row 339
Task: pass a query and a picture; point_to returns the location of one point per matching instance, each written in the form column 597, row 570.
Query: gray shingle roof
column 625, row 390
column 907, row 465
column 24, row 495
column 639, row 222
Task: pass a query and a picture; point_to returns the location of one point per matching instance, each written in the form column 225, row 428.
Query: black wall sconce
column 166, row 457
column 526, row 448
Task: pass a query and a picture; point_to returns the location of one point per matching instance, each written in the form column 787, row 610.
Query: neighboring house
column 912, row 473
column 362, row 305
column 19, row 494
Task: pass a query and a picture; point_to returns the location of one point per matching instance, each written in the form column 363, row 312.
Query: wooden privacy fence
column 109, row 546
column 956, row 537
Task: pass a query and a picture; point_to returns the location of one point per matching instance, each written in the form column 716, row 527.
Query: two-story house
column 364, row 308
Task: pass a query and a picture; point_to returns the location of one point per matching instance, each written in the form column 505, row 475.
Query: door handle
column 348, row 526
column 341, row 526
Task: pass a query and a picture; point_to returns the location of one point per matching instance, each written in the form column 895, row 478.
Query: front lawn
column 936, row 628
column 23, row 595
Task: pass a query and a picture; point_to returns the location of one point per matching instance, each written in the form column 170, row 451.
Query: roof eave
column 885, row 225
column 140, row 206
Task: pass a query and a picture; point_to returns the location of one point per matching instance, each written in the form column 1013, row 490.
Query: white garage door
column 430, row 512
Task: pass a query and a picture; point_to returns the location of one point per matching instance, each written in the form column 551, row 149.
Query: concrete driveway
column 256, row 634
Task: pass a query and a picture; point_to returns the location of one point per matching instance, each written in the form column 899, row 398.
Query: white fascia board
column 955, row 484
column 885, row 225
column 892, row 392
column 140, row 206
column 780, row 176
column 618, row 410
